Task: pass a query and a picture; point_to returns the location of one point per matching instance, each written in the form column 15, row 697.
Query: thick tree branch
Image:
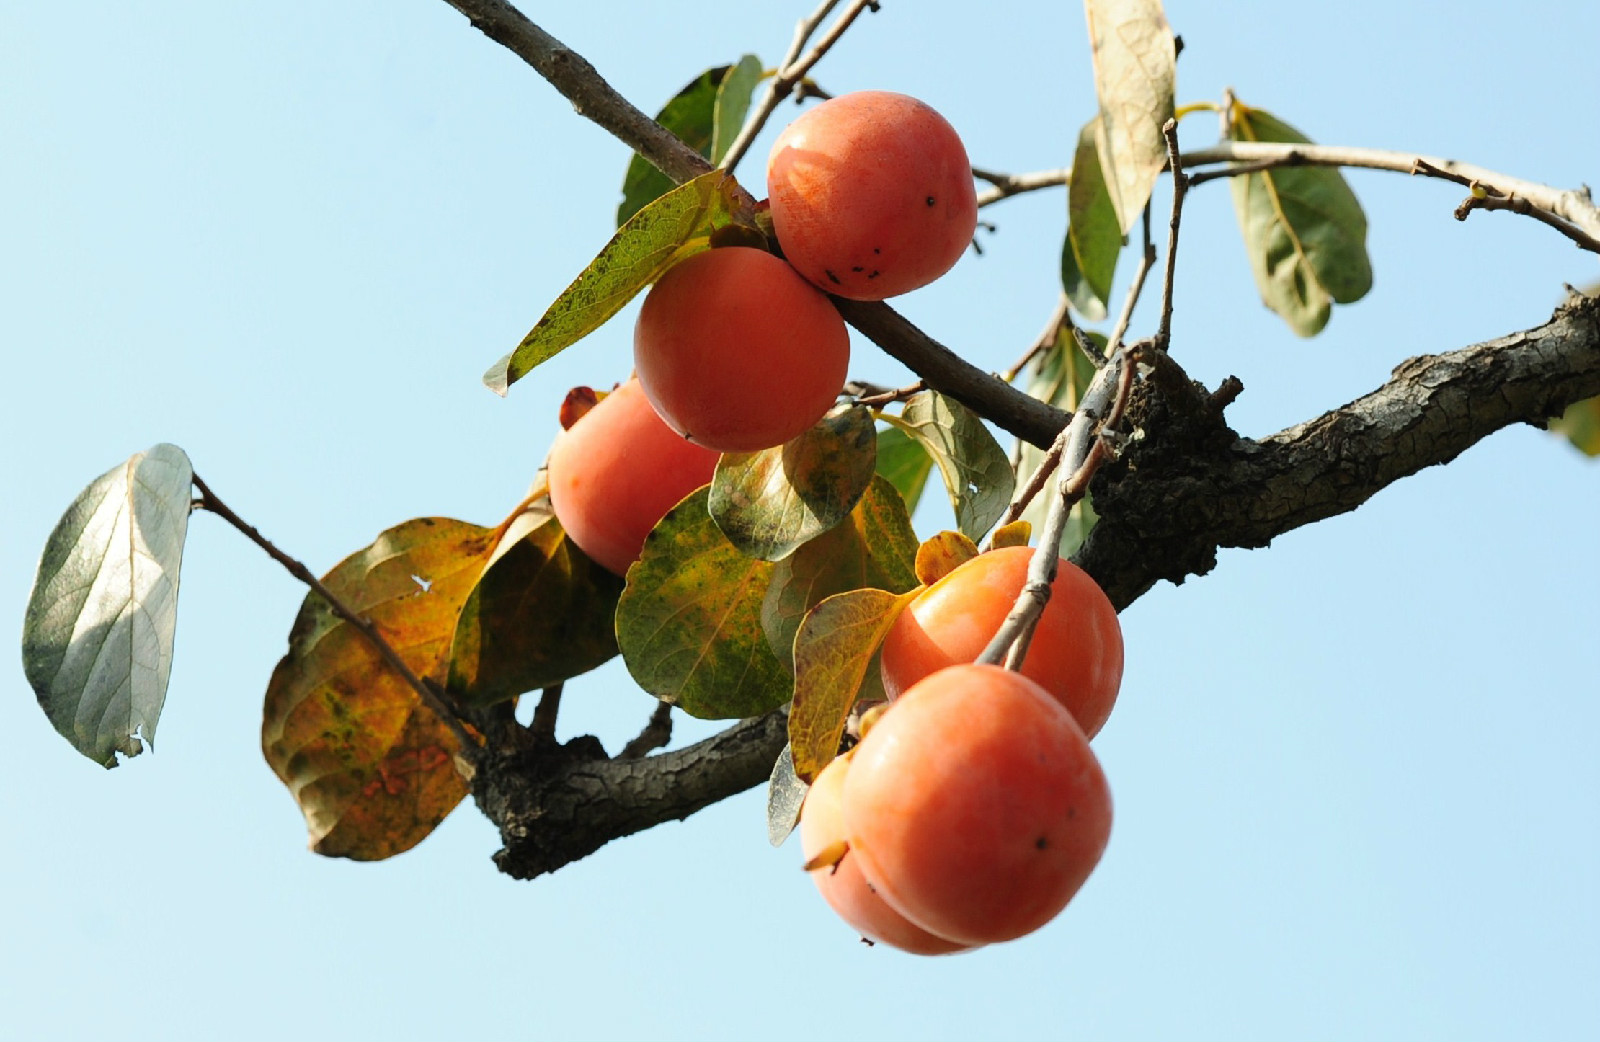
column 1191, row 485
column 556, row 804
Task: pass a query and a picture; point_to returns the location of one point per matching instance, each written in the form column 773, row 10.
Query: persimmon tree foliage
column 766, row 571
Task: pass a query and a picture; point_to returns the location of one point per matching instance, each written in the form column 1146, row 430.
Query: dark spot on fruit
column 875, row 273
column 858, row 268
column 930, row 201
column 832, row 277
column 1041, row 843
column 1072, row 812
column 876, row 250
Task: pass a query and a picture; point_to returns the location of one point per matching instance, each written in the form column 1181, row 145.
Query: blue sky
column 1354, row 773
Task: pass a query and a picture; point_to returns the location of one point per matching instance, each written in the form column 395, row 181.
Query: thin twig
column 1086, row 448
column 1180, row 185
column 543, row 724
column 656, row 734
column 1576, row 209
column 889, row 397
column 1047, row 466
column 208, row 501
column 1004, row 186
column 793, row 70
column 1047, row 337
column 1147, row 260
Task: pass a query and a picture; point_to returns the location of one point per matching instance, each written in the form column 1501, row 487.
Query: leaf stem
column 208, row 501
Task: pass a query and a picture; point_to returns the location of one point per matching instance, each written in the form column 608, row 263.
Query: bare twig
column 1578, row 216
column 543, row 724
column 793, row 70
column 1047, row 466
column 1180, row 185
column 1004, row 186
column 888, row 397
column 1059, row 318
column 656, row 734
column 1147, row 260
column 208, row 501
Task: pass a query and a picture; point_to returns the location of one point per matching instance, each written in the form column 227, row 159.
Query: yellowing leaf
column 540, row 614
column 768, row 503
column 1303, row 229
column 369, row 764
column 677, row 225
column 689, row 620
column 1581, row 425
column 1017, row 533
column 836, row 644
column 875, row 546
column 942, row 554
column 1135, row 72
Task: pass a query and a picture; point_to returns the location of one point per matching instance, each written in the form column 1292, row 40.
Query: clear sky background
column 1356, row 788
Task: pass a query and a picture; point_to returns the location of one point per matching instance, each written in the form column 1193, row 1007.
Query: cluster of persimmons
column 972, row 808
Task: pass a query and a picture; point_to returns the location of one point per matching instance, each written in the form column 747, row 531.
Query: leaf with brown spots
column 370, row 766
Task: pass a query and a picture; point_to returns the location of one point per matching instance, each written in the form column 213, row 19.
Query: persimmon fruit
column 1076, row 652
column 737, row 352
column 617, row 471
column 841, row 882
column 871, row 195
column 975, row 807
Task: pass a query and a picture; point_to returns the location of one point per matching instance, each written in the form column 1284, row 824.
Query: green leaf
column 690, row 116
column 785, row 794
column 1581, row 425
column 1060, row 376
column 1094, row 239
column 768, row 503
column 1135, row 71
column 98, row 631
column 733, row 104
column 675, row 226
column 837, row 643
column 875, row 547
column 1303, row 229
column 541, row 613
column 689, row 620
column 371, row 767
column 976, row 472
column 903, row 460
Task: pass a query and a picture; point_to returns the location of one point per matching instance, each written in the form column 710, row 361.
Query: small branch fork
column 1083, row 445
column 792, row 70
column 431, row 698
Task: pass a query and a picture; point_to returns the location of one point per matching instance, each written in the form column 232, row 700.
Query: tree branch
column 1191, row 485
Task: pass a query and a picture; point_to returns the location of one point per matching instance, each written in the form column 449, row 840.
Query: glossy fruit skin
column 871, row 195
column 617, row 471
column 1076, row 652
column 843, row 886
column 975, row 805
column 737, row 352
